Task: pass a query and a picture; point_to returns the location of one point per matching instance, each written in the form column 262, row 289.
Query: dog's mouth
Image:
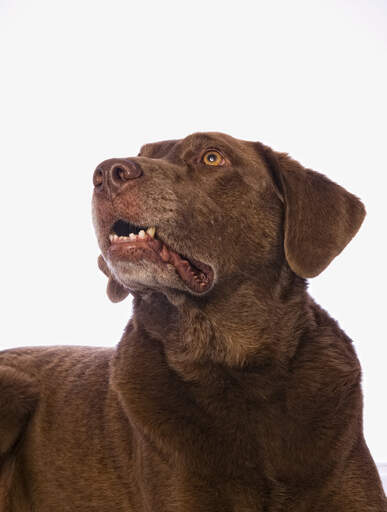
column 134, row 241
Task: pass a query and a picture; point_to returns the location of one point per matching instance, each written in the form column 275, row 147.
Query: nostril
column 98, row 178
column 111, row 175
column 120, row 173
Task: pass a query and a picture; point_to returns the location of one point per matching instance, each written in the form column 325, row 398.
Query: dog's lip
column 197, row 275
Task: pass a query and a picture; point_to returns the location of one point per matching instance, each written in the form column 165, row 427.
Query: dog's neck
column 247, row 325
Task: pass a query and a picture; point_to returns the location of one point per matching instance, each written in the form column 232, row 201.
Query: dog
column 230, row 390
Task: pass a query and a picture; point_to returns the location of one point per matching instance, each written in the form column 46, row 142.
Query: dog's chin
column 144, row 276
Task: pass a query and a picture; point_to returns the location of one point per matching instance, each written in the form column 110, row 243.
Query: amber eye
column 213, row 157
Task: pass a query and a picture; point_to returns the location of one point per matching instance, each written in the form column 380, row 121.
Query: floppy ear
column 115, row 291
column 321, row 217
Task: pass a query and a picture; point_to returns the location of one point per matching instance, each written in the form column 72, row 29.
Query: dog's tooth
column 151, row 231
column 132, row 236
column 111, row 237
column 141, row 234
column 164, row 254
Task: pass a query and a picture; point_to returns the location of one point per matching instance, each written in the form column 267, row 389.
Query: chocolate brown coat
column 231, row 390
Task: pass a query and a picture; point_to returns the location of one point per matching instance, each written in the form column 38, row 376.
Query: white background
column 82, row 81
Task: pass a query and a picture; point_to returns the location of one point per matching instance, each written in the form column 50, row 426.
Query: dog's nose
column 114, row 173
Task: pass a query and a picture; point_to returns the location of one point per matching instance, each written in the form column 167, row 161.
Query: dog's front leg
column 156, row 399
column 174, row 436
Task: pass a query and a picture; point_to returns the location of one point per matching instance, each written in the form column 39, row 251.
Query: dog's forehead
column 194, row 142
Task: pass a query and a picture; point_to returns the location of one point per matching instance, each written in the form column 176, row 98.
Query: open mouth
column 125, row 237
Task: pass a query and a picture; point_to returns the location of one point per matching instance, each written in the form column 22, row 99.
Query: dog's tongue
column 196, row 275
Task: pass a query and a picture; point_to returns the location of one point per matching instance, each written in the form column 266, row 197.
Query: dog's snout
column 114, row 173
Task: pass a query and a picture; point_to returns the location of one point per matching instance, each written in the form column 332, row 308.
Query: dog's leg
column 156, row 399
column 361, row 489
column 18, row 398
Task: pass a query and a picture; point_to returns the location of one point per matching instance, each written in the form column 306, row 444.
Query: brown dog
column 230, row 390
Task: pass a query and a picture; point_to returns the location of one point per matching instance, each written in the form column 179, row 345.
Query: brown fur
column 244, row 398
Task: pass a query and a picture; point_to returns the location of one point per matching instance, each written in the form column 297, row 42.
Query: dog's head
column 189, row 214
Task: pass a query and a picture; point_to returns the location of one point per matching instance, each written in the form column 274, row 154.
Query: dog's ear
column 115, row 291
column 321, row 217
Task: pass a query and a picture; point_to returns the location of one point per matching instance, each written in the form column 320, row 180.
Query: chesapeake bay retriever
column 231, row 390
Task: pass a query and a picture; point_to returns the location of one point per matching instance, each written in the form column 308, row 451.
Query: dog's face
column 192, row 213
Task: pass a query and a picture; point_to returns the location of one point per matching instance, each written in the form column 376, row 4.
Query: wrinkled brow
column 176, row 149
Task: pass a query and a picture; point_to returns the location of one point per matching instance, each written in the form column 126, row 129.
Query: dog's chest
column 223, row 463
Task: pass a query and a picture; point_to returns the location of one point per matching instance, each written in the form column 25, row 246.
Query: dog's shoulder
column 326, row 363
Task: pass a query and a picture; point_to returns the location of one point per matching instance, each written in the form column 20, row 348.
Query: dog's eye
column 212, row 157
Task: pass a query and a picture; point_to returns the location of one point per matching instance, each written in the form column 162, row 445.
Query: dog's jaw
column 196, row 275
column 133, row 243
